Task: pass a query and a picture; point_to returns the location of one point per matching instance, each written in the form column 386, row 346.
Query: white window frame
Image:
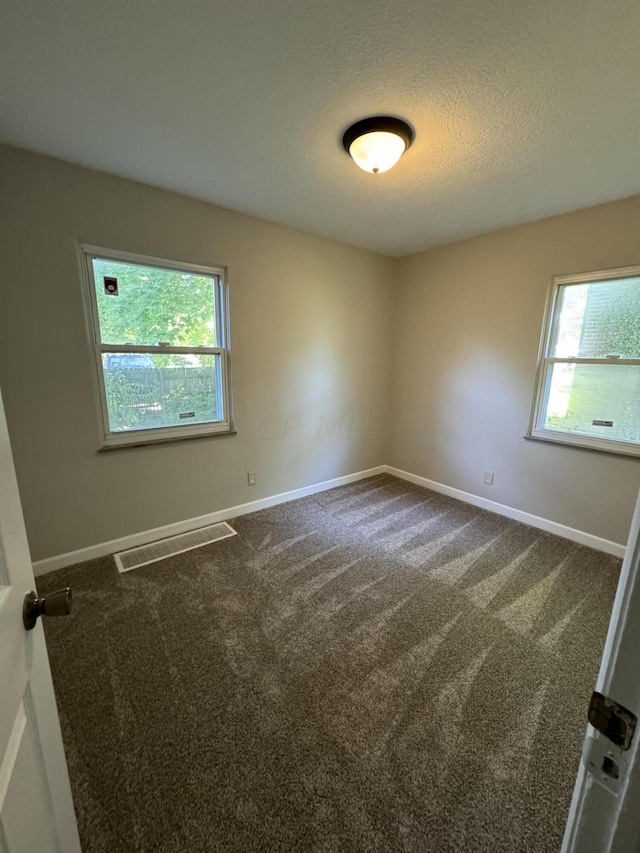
column 546, row 362
column 87, row 253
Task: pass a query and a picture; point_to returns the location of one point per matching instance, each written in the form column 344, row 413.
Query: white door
column 36, row 809
column 605, row 811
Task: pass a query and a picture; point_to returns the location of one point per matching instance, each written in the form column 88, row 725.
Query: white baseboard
column 518, row 515
column 50, row 564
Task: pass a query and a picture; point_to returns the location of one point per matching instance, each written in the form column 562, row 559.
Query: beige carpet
column 374, row 668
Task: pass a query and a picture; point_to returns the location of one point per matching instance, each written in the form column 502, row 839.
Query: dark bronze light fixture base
column 387, row 124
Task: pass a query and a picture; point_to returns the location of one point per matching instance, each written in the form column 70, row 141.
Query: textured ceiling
column 521, row 109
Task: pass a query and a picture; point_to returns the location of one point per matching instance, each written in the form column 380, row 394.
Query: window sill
column 566, row 441
column 146, row 442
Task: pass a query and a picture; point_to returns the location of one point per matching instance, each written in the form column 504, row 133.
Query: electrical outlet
column 487, row 478
column 251, row 478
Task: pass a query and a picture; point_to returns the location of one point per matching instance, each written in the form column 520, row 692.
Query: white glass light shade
column 377, row 151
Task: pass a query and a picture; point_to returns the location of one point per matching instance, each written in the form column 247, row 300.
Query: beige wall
column 467, row 329
column 311, row 323
column 310, row 377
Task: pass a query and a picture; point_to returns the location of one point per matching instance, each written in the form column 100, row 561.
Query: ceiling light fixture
column 377, row 143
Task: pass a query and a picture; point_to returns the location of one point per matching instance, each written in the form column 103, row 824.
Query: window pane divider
column 159, row 350
column 592, row 360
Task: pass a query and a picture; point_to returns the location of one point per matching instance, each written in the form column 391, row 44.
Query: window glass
column 595, row 399
column 151, row 391
column 153, row 305
column 599, row 319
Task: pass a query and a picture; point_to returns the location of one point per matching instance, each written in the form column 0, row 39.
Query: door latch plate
column 604, row 762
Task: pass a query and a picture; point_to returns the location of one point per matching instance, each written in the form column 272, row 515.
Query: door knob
column 55, row 604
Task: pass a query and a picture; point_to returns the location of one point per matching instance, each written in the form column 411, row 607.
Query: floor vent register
column 163, row 548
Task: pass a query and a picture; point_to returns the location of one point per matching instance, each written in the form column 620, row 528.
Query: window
column 161, row 342
column 588, row 386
